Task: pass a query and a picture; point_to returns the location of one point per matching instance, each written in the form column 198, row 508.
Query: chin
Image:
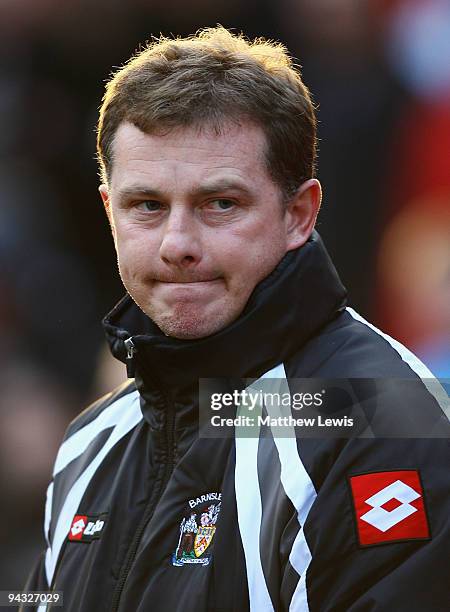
column 193, row 327
column 184, row 330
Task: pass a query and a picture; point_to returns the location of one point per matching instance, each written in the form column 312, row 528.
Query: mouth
column 189, row 283
column 189, row 290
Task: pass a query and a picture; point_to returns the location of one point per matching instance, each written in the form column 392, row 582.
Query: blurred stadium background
column 380, row 72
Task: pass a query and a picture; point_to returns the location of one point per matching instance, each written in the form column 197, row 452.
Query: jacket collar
column 288, row 307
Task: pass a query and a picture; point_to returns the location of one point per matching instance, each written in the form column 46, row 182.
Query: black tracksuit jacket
column 142, row 514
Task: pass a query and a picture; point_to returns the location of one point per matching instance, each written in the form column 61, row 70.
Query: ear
column 301, row 213
column 104, row 194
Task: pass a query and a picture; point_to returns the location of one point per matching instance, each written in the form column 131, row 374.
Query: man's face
column 197, row 223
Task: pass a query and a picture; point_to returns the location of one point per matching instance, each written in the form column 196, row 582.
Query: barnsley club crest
column 196, row 534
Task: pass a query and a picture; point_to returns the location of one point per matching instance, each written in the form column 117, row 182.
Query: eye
column 222, row 204
column 149, row 206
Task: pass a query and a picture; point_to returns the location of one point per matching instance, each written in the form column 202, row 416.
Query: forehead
column 190, row 154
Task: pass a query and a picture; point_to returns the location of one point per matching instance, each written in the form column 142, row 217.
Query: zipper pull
column 131, row 350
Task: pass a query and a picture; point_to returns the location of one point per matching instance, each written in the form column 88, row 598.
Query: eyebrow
column 208, row 188
column 134, row 190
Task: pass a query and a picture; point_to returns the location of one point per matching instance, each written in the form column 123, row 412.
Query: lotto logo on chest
column 85, row 528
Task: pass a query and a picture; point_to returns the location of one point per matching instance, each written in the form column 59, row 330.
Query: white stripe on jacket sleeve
column 299, row 488
column 249, row 511
column 428, row 378
column 76, row 444
column 130, row 417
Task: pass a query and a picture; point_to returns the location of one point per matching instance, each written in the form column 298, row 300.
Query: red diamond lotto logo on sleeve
column 389, row 507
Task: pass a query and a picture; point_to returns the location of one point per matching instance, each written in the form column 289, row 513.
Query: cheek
column 263, row 241
column 253, row 255
column 135, row 252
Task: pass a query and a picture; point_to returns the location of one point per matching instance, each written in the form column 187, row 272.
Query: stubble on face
column 190, row 242
column 185, row 322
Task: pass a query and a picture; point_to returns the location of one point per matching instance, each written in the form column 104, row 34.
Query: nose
column 180, row 244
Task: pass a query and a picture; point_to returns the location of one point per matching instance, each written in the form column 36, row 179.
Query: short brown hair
column 208, row 79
